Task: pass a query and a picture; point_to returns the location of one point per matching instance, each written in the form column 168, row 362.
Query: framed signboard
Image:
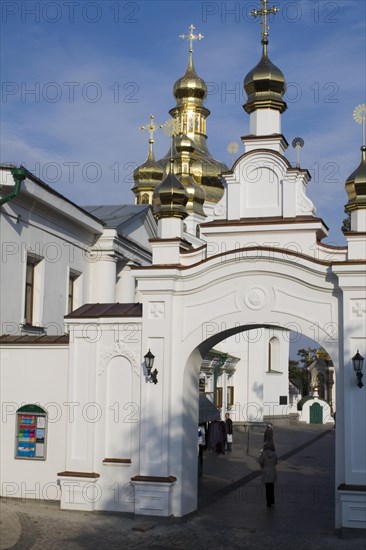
column 31, row 428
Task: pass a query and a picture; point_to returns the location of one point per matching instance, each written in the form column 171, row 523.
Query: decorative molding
column 256, row 298
column 117, row 461
column 119, row 349
column 358, row 308
column 220, row 209
column 91, row 475
column 156, row 310
column 155, row 479
column 303, row 203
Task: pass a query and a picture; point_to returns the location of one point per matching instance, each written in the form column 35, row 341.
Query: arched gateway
column 253, row 257
column 199, row 306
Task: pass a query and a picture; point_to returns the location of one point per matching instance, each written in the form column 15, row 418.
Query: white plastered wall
column 33, row 375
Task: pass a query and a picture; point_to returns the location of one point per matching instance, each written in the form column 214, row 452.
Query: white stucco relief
column 358, row 308
column 303, row 203
column 156, row 310
column 220, row 209
column 256, row 298
column 119, row 349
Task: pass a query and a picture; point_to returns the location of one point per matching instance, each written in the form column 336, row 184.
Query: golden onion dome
column 196, row 195
column 190, row 85
column 265, row 85
column 149, row 171
column 147, row 175
column 356, row 185
column 170, row 197
column 206, row 172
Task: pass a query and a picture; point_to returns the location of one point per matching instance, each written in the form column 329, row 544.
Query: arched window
column 274, row 355
column 31, row 432
column 145, row 198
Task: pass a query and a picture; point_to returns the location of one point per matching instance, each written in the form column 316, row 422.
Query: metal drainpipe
column 19, row 174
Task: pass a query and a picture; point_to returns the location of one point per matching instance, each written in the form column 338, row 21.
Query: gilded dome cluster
column 193, row 164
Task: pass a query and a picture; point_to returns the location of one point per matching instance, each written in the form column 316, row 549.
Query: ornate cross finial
column 191, row 37
column 263, row 12
column 151, row 128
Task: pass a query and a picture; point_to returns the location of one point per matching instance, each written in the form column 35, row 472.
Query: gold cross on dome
column 151, row 128
column 191, row 36
column 263, row 12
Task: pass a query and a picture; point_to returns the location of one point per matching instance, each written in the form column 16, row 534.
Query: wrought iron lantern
column 149, row 363
column 357, row 361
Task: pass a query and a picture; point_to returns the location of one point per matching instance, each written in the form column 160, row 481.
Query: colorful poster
column 31, row 436
column 40, row 435
column 27, row 420
column 41, row 422
column 26, row 449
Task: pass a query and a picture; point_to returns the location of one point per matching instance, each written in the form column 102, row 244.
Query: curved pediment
column 262, row 184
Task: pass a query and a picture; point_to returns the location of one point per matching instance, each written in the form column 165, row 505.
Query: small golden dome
column 147, row 176
column 356, row 185
column 190, row 85
column 196, row 195
column 149, row 171
column 170, row 197
column 183, row 144
column 265, row 85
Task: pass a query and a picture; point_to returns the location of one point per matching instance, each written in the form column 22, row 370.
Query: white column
column 125, row 287
column 350, row 402
column 104, row 279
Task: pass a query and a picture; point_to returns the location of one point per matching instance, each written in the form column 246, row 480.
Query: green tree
column 299, row 376
column 308, row 355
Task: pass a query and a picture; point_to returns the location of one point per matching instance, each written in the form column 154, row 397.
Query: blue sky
column 80, row 77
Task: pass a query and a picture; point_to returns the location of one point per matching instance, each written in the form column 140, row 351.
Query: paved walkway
column 232, row 511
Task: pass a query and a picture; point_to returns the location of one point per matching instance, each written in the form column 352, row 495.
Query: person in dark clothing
column 268, row 460
column 229, row 433
column 201, row 446
column 268, row 434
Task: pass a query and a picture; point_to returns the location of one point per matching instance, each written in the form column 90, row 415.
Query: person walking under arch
column 229, row 433
column 268, row 460
column 268, row 434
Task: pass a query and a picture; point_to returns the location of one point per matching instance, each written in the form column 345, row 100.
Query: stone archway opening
column 259, row 393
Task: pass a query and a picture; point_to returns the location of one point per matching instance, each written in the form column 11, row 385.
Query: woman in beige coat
column 268, row 460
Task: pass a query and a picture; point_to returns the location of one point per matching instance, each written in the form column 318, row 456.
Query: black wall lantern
column 149, row 363
column 357, row 361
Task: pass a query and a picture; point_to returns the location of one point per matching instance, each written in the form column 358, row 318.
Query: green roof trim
column 31, row 409
column 302, row 401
